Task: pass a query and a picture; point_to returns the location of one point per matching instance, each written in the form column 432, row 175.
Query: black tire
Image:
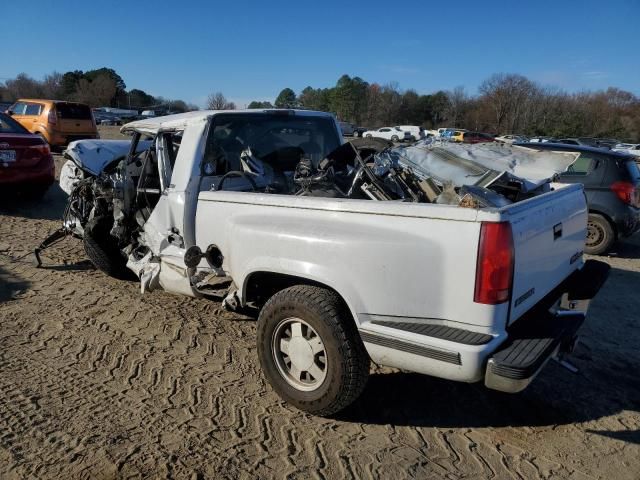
column 600, row 235
column 346, row 362
column 369, row 136
column 102, row 249
column 395, row 138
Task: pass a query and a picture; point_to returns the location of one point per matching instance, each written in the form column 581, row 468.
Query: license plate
column 7, row 156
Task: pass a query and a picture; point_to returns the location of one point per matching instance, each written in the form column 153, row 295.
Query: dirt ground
column 99, row 381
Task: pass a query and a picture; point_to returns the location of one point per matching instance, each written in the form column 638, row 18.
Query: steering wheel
column 237, row 173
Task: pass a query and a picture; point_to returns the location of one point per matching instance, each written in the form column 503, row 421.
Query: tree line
column 102, row 87
column 505, row 103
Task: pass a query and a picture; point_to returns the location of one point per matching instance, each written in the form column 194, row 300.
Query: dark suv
column 612, row 184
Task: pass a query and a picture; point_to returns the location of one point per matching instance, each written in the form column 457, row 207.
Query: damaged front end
column 101, row 178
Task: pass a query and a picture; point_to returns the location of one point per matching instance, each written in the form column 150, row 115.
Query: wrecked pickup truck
column 458, row 261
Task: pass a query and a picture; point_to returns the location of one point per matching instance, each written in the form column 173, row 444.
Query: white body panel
column 414, row 130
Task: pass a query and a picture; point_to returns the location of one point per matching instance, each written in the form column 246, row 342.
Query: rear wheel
column 600, row 235
column 310, row 350
column 394, row 138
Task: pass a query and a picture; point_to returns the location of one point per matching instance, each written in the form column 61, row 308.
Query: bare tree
column 458, row 101
column 52, row 85
column 217, row 101
column 23, row 86
column 507, row 95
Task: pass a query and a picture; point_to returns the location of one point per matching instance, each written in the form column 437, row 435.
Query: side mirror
column 11, row 113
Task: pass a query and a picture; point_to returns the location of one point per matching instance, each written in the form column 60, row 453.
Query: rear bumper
column 544, row 334
column 41, row 174
column 498, row 358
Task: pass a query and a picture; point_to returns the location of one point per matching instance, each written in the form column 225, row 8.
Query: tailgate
column 549, row 233
column 74, row 117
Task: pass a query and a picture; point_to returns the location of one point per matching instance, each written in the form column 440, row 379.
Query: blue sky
column 251, row 50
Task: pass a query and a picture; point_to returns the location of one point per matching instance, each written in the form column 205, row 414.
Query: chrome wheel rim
column 299, row 354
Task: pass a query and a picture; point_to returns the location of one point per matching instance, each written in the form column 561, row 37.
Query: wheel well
column 261, row 286
column 608, row 219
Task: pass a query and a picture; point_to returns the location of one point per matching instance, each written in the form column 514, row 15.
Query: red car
column 477, row 137
column 26, row 163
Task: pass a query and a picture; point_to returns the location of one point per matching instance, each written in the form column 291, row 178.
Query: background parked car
column 585, row 141
column 612, row 184
column 457, row 135
column 55, row 121
column 26, row 162
column 359, row 131
column 106, row 118
column 629, row 149
column 477, row 137
column 416, row 132
column 347, row 128
column 509, row 139
column 389, row 133
column 540, row 139
column 445, row 131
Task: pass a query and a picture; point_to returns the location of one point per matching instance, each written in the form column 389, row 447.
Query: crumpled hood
column 93, row 156
column 480, row 164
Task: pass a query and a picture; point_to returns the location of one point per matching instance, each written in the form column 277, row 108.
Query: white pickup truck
column 348, row 256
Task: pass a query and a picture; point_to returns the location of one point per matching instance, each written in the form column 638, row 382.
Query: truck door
column 162, row 209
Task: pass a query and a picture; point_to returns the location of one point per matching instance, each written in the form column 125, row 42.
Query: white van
column 416, row 132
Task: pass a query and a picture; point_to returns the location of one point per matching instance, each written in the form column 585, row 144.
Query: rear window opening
column 73, row 111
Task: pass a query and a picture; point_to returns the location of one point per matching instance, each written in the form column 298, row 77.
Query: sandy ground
column 99, row 381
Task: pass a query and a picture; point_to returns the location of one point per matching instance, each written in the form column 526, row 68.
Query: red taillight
column 627, row 193
column 52, row 118
column 36, row 151
column 494, row 268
